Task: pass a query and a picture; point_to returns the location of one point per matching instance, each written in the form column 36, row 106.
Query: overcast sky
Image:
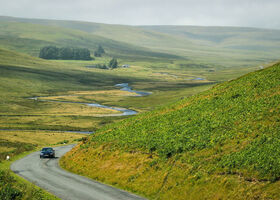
column 249, row 13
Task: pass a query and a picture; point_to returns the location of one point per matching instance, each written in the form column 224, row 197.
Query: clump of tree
column 99, row 52
column 113, row 63
column 98, row 66
column 65, row 53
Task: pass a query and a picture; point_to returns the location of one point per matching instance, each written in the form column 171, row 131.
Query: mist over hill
column 227, row 46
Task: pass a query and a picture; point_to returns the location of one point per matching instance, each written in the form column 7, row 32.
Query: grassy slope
column 229, row 37
column 220, row 144
column 207, row 43
column 227, row 46
column 29, row 38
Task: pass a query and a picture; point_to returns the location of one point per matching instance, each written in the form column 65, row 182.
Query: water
column 196, row 79
column 125, row 111
column 126, row 87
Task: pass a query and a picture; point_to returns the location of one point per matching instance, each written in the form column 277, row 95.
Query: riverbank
column 123, row 111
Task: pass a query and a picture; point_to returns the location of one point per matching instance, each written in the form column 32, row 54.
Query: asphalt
column 47, row 174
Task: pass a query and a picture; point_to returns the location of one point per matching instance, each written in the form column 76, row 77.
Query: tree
column 84, row 54
column 49, row 52
column 99, row 51
column 113, row 63
column 65, row 53
column 96, row 54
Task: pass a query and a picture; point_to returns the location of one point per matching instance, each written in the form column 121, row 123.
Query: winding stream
column 125, row 111
column 126, row 87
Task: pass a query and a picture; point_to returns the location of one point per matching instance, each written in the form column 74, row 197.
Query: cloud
column 252, row 13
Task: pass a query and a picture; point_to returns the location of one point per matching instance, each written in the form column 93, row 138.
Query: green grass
column 224, row 46
column 23, row 76
column 17, row 144
column 223, row 140
column 211, row 119
column 213, row 145
column 13, row 187
column 30, row 38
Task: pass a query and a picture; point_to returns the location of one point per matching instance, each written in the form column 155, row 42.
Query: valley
column 194, row 115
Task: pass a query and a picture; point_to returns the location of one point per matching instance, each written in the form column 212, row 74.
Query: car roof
column 45, row 148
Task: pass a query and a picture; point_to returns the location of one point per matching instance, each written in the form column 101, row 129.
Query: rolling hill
column 226, row 46
column 30, row 38
column 220, row 144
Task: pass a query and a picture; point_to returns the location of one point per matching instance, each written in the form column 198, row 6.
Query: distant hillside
column 220, row 144
column 228, row 46
column 29, row 38
column 228, row 37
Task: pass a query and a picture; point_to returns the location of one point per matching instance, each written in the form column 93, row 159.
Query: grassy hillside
column 229, row 37
column 220, row 144
column 226, row 46
column 30, row 38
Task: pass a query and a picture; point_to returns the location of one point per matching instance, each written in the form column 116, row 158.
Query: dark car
column 47, row 152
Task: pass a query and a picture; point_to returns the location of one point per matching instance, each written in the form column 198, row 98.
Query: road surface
column 47, row 174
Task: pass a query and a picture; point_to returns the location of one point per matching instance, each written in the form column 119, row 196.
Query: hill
column 30, row 38
column 220, row 144
column 226, row 46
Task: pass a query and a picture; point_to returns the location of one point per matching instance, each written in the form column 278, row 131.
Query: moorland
column 204, row 136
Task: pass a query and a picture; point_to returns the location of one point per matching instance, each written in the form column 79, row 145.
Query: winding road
column 47, row 174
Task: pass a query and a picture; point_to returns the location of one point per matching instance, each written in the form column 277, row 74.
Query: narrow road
column 47, row 174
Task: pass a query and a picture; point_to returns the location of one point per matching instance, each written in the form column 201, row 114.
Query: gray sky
column 252, row 13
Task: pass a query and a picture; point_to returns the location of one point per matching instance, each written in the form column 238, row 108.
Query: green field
column 223, row 46
column 23, row 76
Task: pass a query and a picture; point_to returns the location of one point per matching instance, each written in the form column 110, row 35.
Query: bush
column 7, row 189
column 8, row 192
column 63, row 142
column 113, row 63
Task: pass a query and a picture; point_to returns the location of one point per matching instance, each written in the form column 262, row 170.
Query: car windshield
column 47, row 149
